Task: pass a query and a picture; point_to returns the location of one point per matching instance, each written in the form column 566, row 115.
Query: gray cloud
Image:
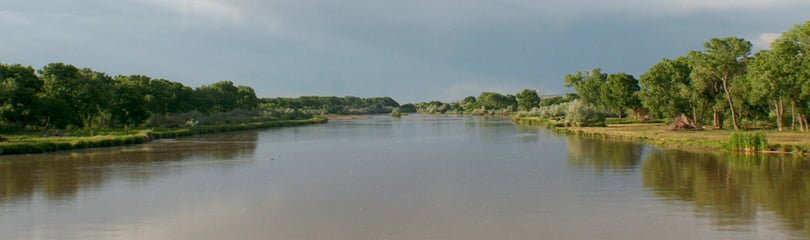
column 411, row 50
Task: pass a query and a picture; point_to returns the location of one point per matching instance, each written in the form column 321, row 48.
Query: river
column 418, row 177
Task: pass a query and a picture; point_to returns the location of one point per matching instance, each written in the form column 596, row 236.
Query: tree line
column 60, row 96
column 724, row 84
column 320, row 105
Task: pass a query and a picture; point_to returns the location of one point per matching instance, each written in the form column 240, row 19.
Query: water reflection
column 602, row 156
column 60, row 176
column 732, row 190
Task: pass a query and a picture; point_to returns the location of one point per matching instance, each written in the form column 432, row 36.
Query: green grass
column 748, row 142
column 22, row 144
column 659, row 134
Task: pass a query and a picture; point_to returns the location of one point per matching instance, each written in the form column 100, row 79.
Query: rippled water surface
column 419, row 177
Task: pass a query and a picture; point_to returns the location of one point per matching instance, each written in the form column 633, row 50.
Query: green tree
column 773, row 76
column 81, row 95
column 19, row 90
column 588, row 85
column 496, row 101
column 665, row 87
column 408, row 108
column 620, row 92
column 132, row 103
column 527, row 99
column 724, row 61
column 396, row 113
column 794, row 47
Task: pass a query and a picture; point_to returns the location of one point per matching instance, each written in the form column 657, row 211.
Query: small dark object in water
column 2, row 139
column 682, row 123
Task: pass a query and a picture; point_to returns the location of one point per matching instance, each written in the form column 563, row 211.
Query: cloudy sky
column 411, row 50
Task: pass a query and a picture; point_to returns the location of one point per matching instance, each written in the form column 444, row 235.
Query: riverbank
column 659, row 134
column 29, row 144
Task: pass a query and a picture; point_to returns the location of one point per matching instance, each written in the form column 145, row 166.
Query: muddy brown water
column 418, row 177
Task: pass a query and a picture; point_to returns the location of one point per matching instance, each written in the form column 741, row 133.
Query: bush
column 748, row 142
column 579, row 114
column 396, row 113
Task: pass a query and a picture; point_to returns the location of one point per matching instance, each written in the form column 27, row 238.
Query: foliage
column 527, row 99
column 619, row 93
column 62, row 96
column 396, row 113
column 580, row 114
column 333, row 105
column 748, row 142
column 408, row 108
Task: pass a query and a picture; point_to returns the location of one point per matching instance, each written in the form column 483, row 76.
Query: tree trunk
column 694, row 117
column 718, row 119
column 780, row 110
column 793, row 116
column 730, row 103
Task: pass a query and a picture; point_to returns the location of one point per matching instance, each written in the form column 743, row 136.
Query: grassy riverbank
column 660, row 134
column 21, row 144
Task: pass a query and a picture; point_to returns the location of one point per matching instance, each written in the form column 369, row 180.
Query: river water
column 419, row 177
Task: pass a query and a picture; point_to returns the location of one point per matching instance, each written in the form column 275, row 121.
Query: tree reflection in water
column 603, row 155
column 731, row 189
column 60, row 176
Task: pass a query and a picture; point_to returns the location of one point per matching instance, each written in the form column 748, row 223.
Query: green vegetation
column 748, row 142
column 61, row 106
column 315, row 105
column 29, row 144
column 488, row 103
column 396, row 113
column 62, row 96
column 723, row 85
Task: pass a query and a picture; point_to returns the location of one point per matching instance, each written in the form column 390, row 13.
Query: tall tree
column 620, row 92
column 795, row 45
column 724, row 61
column 19, row 90
column 527, row 99
column 663, row 89
column 588, row 85
column 81, row 93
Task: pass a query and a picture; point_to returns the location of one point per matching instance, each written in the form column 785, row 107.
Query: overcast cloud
column 411, row 50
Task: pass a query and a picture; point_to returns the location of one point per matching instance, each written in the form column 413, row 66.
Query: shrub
column 579, row 114
column 396, row 113
column 747, row 142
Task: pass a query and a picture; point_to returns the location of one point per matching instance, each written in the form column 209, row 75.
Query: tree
column 663, row 89
column 527, row 99
column 588, row 85
column 396, row 113
column 496, row 101
column 724, row 61
column 619, row 93
column 408, row 108
column 81, row 95
column 773, row 77
column 794, row 46
column 19, row 89
column 131, row 105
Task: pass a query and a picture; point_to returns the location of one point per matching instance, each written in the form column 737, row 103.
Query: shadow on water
column 62, row 175
column 733, row 190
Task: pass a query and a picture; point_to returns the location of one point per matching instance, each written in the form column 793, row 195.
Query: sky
column 414, row 50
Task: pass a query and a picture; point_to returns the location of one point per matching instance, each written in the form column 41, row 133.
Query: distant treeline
column 331, row 105
column 63, row 96
column 491, row 103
